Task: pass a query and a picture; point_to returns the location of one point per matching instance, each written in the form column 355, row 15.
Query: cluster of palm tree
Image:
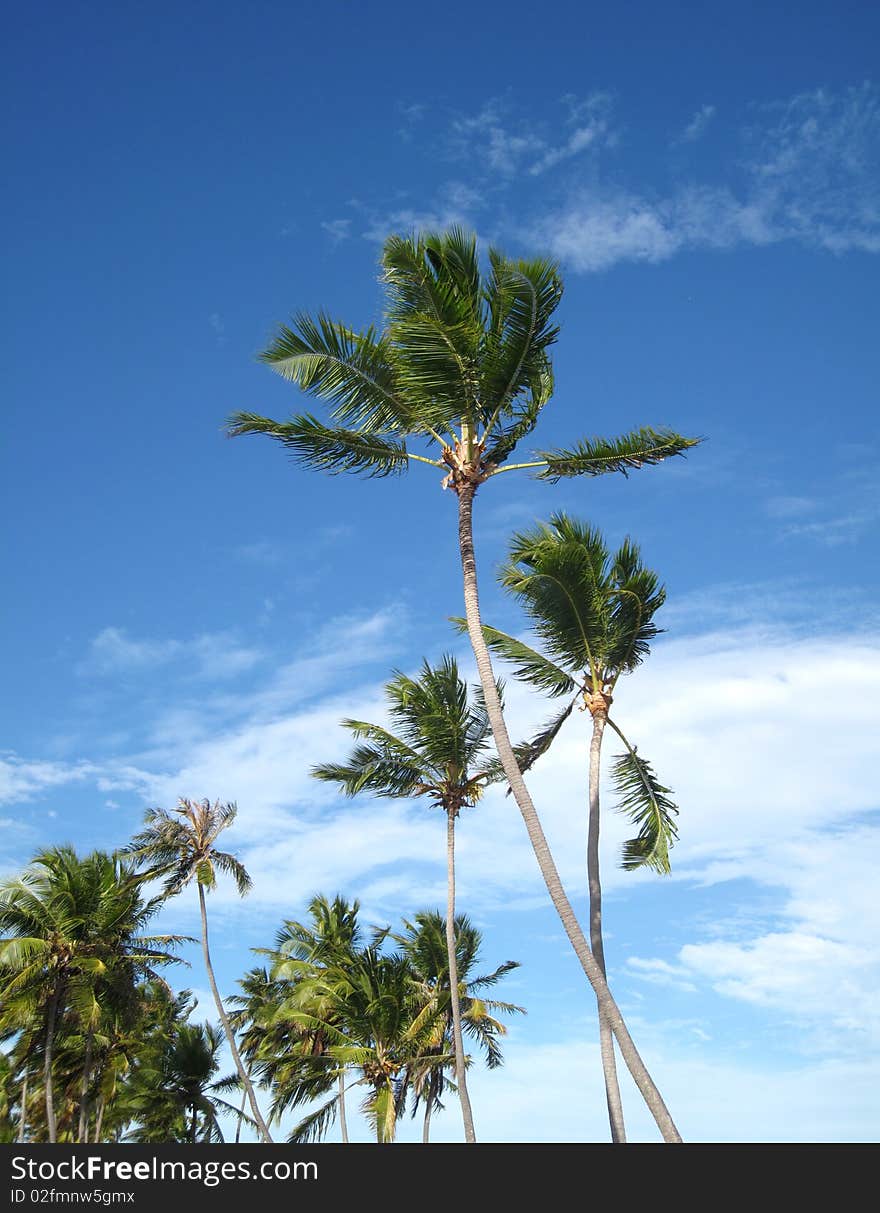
column 101, row 1049
column 462, row 370
column 335, row 1012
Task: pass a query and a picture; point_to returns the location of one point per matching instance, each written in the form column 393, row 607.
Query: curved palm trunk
column 607, row 1006
column 606, row 1037
column 227, row 1026
column 342, row 1123
column 51, row 1123
column 22, row 1120
column 426, row 1126
column 99, row 1121
column 458, row 1043
column 82, row 1135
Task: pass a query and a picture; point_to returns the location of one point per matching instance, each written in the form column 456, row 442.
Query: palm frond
column 327, row 448
column 596, row 456
column 352, row 371
column 647, row 804
column 528, row 664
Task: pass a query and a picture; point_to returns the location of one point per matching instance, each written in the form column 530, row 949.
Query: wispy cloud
column 698, row 125
column 337, row 229
column 502, row 143
column 22, row 780
column 812, row 175
column 213, row 655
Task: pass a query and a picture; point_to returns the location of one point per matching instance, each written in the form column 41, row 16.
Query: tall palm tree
column 69, row 940
column 425, row 943
column 181, row 847
column 462, row 365
column 594, row 612
column 437, row 751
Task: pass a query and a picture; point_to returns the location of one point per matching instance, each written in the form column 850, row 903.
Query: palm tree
column 594, row 611
column 181, row 847
column 175, row 1096
column 425, row 943
column 70, row 939
column 369, row 1015
column 437, row 751
column 462, row 364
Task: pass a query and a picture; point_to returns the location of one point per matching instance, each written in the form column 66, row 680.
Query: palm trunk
column 458, row 1043
column 47, row 1067
column 240, row 1115
column 607, row 1006
column 22, row 1120
column 342, row 1124
column 426, row 1127
column 82, row 1135
column 99, row 1121
column 227, row 1026
column 606, row 1037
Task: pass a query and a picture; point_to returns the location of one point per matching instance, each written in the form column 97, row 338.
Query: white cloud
column 22, row 780
column 337, row 229
column 214, row 655
column 812, row 176
column 711, row 1099
column 698, row 125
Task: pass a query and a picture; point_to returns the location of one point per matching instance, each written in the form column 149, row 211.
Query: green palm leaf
column 596, row 456
column 329, row 449
column 647, row 804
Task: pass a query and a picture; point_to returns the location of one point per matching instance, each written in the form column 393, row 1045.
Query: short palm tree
column 372, row 1017
column 425, row 943
column 176, row 1095
column 436, row 749
column 70, row 942
column 291, row 1059
column 594, row 612
column 181, row 847
column 463, row 366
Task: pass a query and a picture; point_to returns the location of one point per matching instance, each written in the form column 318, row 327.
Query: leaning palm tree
column 436, row 749
column 425, row 942
column 594, row 612
column 463, row 366
column 181, row 847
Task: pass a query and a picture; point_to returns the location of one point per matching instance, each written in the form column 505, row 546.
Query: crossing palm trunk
column 227, row 1026
column 607, row 1006
column 458, row 1043
column 342, row 1124
column 606, row 1036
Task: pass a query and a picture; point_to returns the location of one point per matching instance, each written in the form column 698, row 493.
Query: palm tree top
column 439, row 748
column 593, row 609
column 462, row 364
column 180, row 845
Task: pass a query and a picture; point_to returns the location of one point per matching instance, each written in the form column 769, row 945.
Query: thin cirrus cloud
column 698, row 125
column 211, row 655
column 811, row 175
column 806, row 169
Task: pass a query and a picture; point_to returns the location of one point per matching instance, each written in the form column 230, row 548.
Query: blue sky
column 188, row 615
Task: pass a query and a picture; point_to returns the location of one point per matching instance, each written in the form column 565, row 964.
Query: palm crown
column 439, row 748
column 180, row 845
column 462, row 362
